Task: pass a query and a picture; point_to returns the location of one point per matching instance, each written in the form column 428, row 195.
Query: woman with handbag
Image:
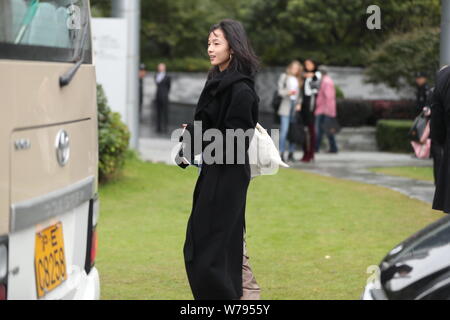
column 216, row 264
column 289, row 89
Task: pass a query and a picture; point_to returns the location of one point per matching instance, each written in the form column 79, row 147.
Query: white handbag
column 263, row 155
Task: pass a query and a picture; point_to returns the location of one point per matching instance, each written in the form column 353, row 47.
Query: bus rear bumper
column 89, row 288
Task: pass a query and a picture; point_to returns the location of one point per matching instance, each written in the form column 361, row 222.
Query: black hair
column 314, row 63
column 244, row 58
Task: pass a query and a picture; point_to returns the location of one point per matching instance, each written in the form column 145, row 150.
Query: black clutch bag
column 296, row 132
column 331, row 126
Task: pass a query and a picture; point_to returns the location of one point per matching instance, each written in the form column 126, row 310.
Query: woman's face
column 309, row 65
column 218, row 49
column 295, row 69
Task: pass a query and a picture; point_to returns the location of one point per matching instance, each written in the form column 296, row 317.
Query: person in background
column 422, row 91
column 162, row 99
column 440, row 134
column 289, row 89
column 142, row 73
column 309, row 91
column 325, row 109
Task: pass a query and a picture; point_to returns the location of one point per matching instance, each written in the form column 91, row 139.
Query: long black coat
column 440, row 134
column 214, row 237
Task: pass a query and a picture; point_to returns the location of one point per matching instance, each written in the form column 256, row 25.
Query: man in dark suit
column 422, row 91
column 162, row 99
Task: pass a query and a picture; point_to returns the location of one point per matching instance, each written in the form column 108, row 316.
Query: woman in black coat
column 440, row 135
column 310, row 89
column 213, row 249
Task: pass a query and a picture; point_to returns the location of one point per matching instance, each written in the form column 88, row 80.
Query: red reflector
column 94, row 246
column 2, row 292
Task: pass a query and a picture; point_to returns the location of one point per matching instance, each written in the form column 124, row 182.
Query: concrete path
column 345, row 165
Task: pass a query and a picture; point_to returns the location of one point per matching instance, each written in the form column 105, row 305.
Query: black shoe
column 282, row 157
column 291, row 156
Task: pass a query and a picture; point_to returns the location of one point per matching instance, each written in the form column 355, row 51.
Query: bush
column 392, row 135
column 353, row 113
column 113, row 138
column 389, row 109
column 339, row 92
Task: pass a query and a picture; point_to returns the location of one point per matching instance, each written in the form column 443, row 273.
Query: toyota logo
column 62, row 148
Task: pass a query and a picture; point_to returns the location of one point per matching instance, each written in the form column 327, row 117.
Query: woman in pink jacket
column 325, row 109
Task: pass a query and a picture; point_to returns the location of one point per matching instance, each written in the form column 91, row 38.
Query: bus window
column 43, row 30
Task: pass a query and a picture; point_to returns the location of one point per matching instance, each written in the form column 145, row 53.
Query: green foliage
column 397, row 60
column 333, row 32
column 392, row 135
column 330, row 31
column 100, row 8
column 339, row 92
column 113, row 138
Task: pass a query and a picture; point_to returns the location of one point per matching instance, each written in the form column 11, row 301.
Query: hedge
column 392, row 109
column 353, row 113
column 113, row 139
column 392, row 135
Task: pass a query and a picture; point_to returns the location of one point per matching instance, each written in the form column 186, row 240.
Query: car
column 416, row 269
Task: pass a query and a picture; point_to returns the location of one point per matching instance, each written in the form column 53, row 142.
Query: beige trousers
column 250, row 288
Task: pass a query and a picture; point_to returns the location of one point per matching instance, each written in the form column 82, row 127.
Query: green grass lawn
column 418, row 173
column 294, row 220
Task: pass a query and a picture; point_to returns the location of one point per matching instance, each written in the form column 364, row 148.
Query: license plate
column 49, row 259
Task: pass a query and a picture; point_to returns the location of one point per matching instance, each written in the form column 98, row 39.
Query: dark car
column 416, row 269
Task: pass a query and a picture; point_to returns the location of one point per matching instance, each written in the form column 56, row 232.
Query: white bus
column 48, row 151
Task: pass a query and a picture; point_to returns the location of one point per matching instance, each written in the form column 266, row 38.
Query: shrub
column 113, row 138
column 339, row 92
column 389, row 109
column 392, row 135
column 353, row 113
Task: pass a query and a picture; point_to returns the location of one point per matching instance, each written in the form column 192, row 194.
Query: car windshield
column 56, row 24
column 437, row 237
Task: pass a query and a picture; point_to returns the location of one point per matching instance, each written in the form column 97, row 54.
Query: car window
column 46, row 30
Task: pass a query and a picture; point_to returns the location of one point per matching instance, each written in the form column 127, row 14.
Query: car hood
column 416, row 264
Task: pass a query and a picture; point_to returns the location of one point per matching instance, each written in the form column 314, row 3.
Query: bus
column 49, row 206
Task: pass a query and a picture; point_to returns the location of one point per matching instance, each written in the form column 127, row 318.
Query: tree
column 332, row 31
column 397, row 60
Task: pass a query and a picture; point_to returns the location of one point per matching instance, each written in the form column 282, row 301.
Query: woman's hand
column 298, row 107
